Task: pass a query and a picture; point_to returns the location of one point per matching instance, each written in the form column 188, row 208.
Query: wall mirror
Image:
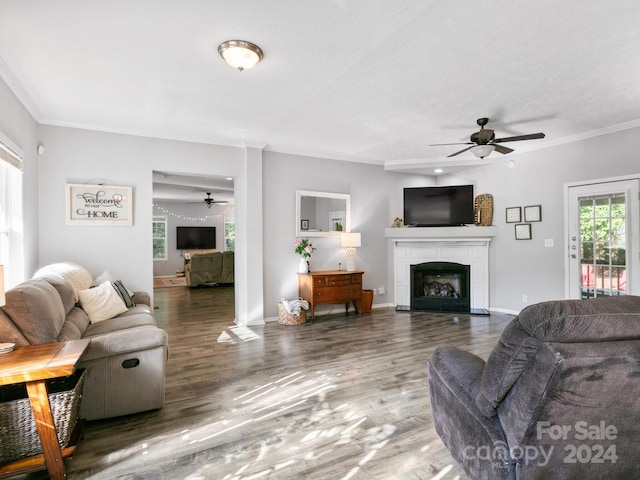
column 322, row 214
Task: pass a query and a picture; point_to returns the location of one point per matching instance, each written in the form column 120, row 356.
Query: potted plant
column 304, row 249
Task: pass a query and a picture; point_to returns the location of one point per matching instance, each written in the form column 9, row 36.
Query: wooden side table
column 331, row 286
column 32, row 365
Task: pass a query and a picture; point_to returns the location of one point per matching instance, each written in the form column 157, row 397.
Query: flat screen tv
column 443, row 206
column 196, row 238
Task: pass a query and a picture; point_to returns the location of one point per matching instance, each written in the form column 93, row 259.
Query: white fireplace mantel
column 464, row 245
column 441, row 233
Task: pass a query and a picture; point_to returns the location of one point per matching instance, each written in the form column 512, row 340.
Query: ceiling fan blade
column 459, row 143
column 461, row 151
column 502, row 149
column 531, row 136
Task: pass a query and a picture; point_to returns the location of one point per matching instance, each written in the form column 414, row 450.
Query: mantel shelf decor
column 107, row 205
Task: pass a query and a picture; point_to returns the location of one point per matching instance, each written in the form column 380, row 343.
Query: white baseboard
column 504, row 310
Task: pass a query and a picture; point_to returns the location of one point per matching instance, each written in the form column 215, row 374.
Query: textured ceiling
column 366, row 80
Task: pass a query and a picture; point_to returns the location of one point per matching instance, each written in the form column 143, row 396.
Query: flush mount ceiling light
column 240, row 54
column 482, row 151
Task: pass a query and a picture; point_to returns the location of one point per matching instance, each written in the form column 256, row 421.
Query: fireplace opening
column 441, row 287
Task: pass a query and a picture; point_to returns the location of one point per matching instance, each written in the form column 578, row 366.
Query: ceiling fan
column 484, row 141
column 209, row 201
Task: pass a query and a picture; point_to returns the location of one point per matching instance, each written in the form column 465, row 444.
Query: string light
column 185, row 217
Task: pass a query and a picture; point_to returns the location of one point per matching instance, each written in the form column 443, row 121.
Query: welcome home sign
column 99, row 205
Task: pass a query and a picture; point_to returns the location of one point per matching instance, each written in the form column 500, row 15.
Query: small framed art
column 523, row 231
column 304, row 224
column 533, row 213
column 514, row 214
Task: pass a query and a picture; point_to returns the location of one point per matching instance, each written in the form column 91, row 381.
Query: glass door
column 603, row 239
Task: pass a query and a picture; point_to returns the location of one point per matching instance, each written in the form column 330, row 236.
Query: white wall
column 528, row 267
column 197, row 215
column 376, row 199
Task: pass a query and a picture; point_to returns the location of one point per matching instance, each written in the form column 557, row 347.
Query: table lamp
column 350, row 241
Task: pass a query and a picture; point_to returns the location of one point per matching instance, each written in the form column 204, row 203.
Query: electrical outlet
column 548, row 242
column 525, row 299
column 381, row 291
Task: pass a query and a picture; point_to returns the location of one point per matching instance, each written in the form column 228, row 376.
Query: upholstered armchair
column 558, row 398
column 210, row 268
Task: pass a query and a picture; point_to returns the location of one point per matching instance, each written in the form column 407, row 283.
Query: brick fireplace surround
column 464, row 245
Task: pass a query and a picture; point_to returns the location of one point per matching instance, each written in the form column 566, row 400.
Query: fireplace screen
column 440, row 287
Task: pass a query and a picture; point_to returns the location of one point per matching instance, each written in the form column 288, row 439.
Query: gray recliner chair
column 558, row 398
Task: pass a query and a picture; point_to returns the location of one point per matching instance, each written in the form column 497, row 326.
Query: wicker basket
column 18, row 433
column 483, row 209
column 286, row 318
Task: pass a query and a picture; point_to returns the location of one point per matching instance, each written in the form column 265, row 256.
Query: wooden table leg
column 39, row 399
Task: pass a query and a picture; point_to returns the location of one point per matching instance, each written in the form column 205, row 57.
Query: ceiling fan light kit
column 482, row 151
column 240, row 54
column 484, row 142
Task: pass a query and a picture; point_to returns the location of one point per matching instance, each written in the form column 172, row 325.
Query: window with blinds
column 11, row 234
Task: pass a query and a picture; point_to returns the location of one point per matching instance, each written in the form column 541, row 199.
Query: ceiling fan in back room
column 209, row 201
column 484, row 141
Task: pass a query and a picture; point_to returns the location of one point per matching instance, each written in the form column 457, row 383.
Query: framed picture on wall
column 105, row 205
column 523, row 231
column 533, row 213
column 514, row 214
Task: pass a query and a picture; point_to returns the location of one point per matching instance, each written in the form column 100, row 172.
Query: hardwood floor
column 343, row 397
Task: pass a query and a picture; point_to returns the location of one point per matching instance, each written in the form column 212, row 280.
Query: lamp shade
column 482, row 151
column 350, row 240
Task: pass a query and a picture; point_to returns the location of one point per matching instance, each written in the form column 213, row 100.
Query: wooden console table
column 331, row 286
column 33, row 364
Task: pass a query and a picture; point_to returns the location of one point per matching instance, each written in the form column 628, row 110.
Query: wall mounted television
column 442, row 206
column 195, row 238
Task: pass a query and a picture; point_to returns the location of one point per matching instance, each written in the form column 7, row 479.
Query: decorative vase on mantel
column 303, row 267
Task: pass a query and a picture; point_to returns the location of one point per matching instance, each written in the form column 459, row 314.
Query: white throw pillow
column 103, row 277
column 101, row 302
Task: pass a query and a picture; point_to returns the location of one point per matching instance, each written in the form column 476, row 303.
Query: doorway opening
column 194, row 201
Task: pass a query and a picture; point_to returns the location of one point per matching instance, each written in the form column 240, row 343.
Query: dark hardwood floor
column 344, row 397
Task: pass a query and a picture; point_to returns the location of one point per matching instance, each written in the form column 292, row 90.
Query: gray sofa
column 127, row 354
column 557, row 398
column 209, row 268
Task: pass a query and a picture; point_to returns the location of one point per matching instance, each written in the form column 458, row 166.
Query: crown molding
column 318, row 153
column 12, row 82
column 219, row 141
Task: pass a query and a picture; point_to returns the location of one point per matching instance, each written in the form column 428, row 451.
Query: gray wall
column 528, row 267
column 266, row 186
column 19, row 126
column 197, row 215
column 376, row 199
column 83, row 156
